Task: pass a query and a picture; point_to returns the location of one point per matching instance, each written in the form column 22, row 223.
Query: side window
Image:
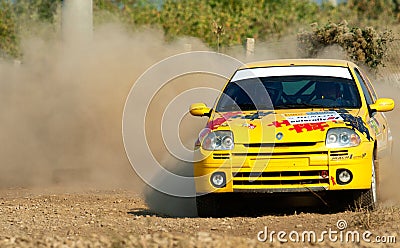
column 365, row 90
column 371, row 89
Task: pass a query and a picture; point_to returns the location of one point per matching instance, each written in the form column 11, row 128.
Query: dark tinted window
column 366, row 92
column 289, row 92
column 371, row 89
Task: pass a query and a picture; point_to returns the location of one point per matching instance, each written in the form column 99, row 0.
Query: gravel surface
column 121, row 218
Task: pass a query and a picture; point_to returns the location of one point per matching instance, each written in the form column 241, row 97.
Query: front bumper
column 311, row 167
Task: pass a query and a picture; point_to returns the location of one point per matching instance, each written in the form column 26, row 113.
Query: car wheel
column 207, row 205
column 367, row 199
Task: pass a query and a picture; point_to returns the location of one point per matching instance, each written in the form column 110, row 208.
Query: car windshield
column 287, row 92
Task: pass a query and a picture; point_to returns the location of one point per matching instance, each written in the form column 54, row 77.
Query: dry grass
column 367, row 219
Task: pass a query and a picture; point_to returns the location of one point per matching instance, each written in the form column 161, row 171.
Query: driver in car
column 327, row 94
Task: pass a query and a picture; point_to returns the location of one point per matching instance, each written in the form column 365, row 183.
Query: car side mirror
column 199, row 109
column 382, row 105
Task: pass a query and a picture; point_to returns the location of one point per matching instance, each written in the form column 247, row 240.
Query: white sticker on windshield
column 313, row 117
column 324, row 71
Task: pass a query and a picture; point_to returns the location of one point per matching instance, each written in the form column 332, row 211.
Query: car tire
column 368, row 199
column 207, row 205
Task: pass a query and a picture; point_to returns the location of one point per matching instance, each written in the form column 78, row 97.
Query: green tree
column 373, row 9
column 220, row 23
column 261, row 19
column 43, row 10
column 9, row 40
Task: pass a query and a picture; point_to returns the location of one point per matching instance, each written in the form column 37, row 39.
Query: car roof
column 298, row 62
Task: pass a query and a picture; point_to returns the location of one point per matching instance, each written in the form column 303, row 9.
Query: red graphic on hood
column 279, row 123
column 213, row 124
column 299, row 127
column 309, row 127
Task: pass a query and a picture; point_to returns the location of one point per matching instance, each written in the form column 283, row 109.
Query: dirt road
column 121, row 218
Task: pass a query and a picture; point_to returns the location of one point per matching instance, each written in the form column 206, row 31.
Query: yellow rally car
column 312, row 126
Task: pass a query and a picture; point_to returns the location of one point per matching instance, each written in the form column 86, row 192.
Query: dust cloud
column 62, row 108
column 390, row 166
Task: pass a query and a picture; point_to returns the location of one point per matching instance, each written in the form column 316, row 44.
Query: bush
column 9, row 40
column 364, row 45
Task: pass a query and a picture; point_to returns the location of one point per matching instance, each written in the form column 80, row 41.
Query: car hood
column 282, row 126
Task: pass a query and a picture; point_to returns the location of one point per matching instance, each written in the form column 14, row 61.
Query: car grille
column 278, row 153
column 289, row 144
column 279, row 178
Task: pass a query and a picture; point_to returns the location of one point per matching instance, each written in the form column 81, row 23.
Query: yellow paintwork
column 383, row 105
column 300, row 162
column 199, row 109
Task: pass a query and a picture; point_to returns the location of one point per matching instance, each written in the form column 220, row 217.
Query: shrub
column 364, row 45
column 9, row 40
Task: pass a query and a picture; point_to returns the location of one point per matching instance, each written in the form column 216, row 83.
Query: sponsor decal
column 374, row 124
column 333, row 181
column 342, row 157
column 360, row 156
column 313, row 117
column 326, row 71
column 310, row 121
column 249, row 125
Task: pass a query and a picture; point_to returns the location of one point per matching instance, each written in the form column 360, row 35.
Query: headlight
column 342, row 137
column 218, row 140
